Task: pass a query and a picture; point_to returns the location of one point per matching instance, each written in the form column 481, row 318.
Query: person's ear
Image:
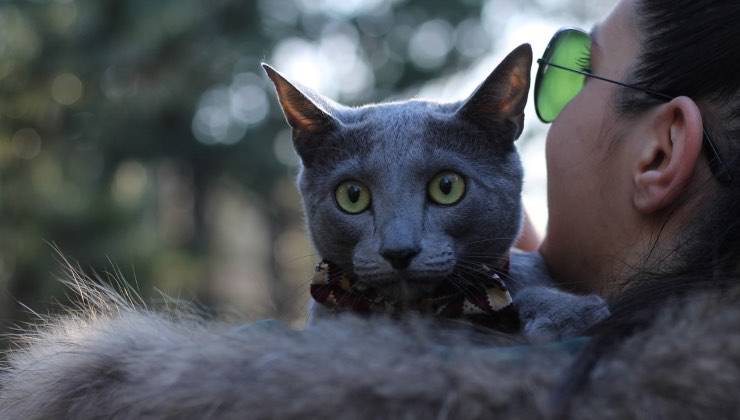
column 668, row 157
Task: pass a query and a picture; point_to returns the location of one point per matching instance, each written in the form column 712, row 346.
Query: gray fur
column 111, row 359
column 546, row 312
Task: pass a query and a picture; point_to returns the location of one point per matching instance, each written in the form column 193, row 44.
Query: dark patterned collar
column 485, row 301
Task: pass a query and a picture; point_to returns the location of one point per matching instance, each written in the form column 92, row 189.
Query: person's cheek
column 558, row 146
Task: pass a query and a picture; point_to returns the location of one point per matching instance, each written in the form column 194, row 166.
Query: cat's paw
column 549, row 314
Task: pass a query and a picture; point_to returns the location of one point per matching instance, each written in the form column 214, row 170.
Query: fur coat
column 111, row 358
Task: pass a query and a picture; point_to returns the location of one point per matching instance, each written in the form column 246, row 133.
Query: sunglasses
column 564, row 67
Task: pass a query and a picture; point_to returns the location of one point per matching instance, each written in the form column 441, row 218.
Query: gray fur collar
column 112, row 359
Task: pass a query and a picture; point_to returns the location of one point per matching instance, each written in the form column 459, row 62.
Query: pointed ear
column 302, row 113
column 503, row 95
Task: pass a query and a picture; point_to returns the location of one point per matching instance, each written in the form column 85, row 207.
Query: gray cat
column 407, row 197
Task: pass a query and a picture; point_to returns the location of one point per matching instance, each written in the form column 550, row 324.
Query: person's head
column 632, row 193
column 629, row 180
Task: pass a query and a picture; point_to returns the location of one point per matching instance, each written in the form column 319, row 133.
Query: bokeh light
column 66, row 89
column 225, row 113
column 430, row 44
column 26, row 143
column 129, row 183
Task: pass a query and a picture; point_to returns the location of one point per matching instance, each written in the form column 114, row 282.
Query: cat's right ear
column 503, row 95
column 302, row 113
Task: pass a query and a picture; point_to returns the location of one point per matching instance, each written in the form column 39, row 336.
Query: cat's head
column 406, row 195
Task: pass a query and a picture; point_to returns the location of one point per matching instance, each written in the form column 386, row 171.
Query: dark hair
column 688, row 48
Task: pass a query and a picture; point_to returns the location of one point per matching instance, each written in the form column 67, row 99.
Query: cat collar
column 482, row 301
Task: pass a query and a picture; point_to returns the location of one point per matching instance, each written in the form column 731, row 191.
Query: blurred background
column 142, row 136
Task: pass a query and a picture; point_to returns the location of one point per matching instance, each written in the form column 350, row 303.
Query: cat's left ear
column 303, row 112
column 503, row 95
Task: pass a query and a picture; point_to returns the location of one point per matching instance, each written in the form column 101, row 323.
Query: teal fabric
column 570, row 346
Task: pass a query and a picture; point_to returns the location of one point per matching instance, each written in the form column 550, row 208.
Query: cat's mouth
column 404, row 286
column 409, row 286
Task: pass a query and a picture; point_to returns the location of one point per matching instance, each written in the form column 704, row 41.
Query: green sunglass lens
column 557, row 87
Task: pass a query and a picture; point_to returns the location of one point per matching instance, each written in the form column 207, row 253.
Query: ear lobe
column 301, row 112
column 503, row 95
column 668, row 159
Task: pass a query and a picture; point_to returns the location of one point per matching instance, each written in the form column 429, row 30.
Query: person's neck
column 615, row 254
column 574, row 267
column 612, row 263
column 604, row 262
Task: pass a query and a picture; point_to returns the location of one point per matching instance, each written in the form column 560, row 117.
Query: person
column 629, row 187
column 642, row 157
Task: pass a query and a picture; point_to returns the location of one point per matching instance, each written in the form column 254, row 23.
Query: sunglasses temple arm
column 593, row 76
column 716, row 164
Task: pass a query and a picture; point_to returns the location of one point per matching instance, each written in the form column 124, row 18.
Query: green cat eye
column 446, row 188
column 352, row 197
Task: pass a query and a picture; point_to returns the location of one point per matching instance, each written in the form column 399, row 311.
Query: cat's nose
column 399, row 258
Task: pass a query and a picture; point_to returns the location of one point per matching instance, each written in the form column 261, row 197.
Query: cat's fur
column 115, row 360
column 395, row 149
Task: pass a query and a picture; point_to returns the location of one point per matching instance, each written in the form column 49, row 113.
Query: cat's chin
column 404, row 292
column 400, row 287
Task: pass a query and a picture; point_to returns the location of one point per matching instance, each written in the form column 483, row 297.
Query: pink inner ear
column 514, row 91
column 298, row 118
column 297, row 109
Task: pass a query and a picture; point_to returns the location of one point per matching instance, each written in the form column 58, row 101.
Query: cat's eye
column 446, row 188
column 352, row 197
